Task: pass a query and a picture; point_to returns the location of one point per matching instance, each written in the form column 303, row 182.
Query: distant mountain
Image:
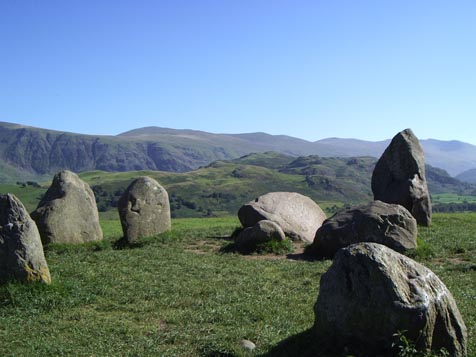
column 452, row 156
column 467, row 176
column 27, row 152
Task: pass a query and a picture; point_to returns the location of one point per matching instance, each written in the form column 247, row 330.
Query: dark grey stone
column 399, row 177
column 388, row 224
column 21, row 251
column 371, row 292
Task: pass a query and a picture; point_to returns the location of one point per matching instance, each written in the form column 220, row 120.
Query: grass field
column 178, row 294
column 452, row 198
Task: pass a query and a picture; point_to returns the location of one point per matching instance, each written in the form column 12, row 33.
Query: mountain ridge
column 37, row 151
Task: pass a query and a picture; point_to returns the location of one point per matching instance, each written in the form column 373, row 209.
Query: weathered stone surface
column 297, row 215
column 372, row 292
column 399, row 177
column 68, row 212
column 21, row 251
column 144, row 209
column 262, row 232
column 388, row 224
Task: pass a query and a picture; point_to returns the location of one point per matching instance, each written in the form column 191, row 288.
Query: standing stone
column 68, row 212
column 297, row 215
column 378, row 222
column 371, row 292
column 399, row 177
column 144, row 209
column 21, row 251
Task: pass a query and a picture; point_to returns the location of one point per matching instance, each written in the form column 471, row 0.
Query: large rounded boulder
column 399, row 177
column 371, row 293
column 388, row 224
column 68, row 213
column 297, row 215
column 21, row 251
column 144, row 209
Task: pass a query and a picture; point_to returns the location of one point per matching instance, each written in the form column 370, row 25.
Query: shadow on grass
column 224, row 237
column 232, row 247
column 303, row 345
column 302, row 256
column 284, row 248
column 123, row 243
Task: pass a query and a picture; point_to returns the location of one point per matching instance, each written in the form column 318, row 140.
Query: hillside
column 32, row 153
column 467, row 176
column 223, row 186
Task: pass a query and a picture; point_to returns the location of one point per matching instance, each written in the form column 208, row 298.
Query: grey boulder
column 262, row 232
column 388, row 224
column 371, row 292
column 21, row 252
column 144, row 209
column 68, row 212
column 399, row 177
column 297, row 215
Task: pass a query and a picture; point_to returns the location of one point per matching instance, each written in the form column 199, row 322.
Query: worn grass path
column 178, row 295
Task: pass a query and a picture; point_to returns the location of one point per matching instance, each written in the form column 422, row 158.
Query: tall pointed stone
column 399, row 177
column 21, row 251
column 68, row 212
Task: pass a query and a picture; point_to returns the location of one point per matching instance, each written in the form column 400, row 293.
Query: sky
column 310, row 69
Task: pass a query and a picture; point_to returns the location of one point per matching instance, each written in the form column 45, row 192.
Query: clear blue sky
column 310, row 69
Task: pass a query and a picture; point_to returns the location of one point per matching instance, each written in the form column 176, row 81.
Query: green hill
column 223, row 186
column 468, row 176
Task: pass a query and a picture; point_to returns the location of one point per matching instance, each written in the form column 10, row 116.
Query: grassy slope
column 177, row 295
column 219, row 189
column 29, row 195
column 222, row 187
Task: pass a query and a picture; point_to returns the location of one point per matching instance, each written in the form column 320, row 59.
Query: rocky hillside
column 467, row 176
column 29, row 153
column 39, row 152
column 223, row 186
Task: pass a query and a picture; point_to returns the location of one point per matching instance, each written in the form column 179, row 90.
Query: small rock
column 262, row 232
column 247, row 345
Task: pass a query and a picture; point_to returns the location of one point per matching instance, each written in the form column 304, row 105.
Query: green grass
column 29, row 195
column 452, row 198
column 217, row 190
column 177, row 294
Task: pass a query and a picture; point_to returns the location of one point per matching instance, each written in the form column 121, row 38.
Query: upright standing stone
column 68, row 212
column 399, row 177
column 144, row 209
column 297, row 215
column 21, row 251
column 371, row 292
